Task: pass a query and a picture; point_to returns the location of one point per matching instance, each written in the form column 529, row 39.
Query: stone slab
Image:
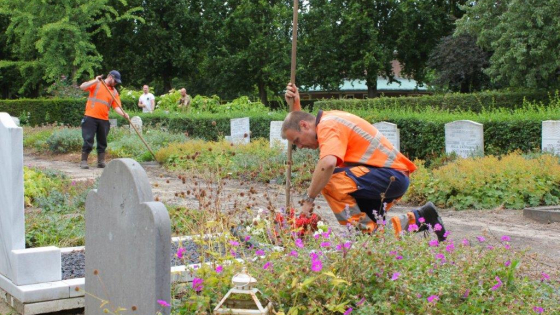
column 464, row 138
column 551, row 136
column 240, row 130
column 12, row 221
column 76, row 286
column 113, row 122
column 391, row 132
column 275, row 138
column 543, row 214
column 53, row 306
column 36, row 265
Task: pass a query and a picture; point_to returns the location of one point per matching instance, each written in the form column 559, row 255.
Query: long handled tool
column 293, row 81
column 130, row 122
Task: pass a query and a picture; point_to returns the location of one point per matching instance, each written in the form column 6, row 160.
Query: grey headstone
column 551, row 136
column 391, row 132
column 276, row 135
column 113, row 122
column 128, row 241
column 137, row 122
column 464, row 138
column 240, row 131
column 12, row 221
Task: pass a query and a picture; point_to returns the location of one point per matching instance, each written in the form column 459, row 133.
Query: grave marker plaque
column 276, row 135
column 240, row 131
column 551, row 136
column 137, row 122
column 464, row 138
column 391, row 132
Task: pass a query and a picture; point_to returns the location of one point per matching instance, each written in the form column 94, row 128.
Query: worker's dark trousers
column 98, row 128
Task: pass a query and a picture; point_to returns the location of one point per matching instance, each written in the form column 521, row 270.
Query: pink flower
column 507, row 246
column 399, row 257
column 339, row 247
column 219, row 269
column 360, row 302
column 393, row 252
column 481, row 238
column 267, row 265
column 433, row 243
column 538, row 309
column 545, row 276
column 294, row 253
column 180, row 252
column 507, row 263
column 326, row 244
column 437, row 227
column 421, row 220
column 466, row 294
column 260, row 252
column 247, row 238
column 450, row 248
column 347, row 244
column 490, row 247
column 465, row 242
column 233, row 253
column 395, row 276
column 440, row 256
column 163, row 303
column 316, row 265
column 348, row 311
column 234, row 243
column 497, row 285
column 506, row 238
column 197, row 284
column 446, row 234
column 412, row 228
column 299, row 243
column 433, row 298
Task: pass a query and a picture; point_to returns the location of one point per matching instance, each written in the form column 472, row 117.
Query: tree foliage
column 522, row 36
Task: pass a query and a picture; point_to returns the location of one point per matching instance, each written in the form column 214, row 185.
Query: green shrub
column 125, row 143
column 65, row 140
column 169, row 101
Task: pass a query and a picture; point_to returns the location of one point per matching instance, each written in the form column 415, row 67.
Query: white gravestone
column 128, row 241
column 464, row 138
column 113, row 122
column 551, row 136
column 137, row 122
column 276, row 135
column 19, row 265
column 240, row 131
column 16, row 120
column 391, row 132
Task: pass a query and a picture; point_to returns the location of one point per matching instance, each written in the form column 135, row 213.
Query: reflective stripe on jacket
column 100, row 101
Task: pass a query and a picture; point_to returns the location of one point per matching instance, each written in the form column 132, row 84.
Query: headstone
column 240, row 131
column 16, row 120
column 21, row 266
column 464, row 138
column 276, row 135
column 113, row 123
column 391, row 132
column 551, row 136
column 137, row 122
column 128, row 241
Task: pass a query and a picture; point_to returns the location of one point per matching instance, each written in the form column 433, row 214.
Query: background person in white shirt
column 147, row 100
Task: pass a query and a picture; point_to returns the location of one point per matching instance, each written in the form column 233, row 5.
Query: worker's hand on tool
column 307, row 208
column 99, row 77
column 125, row 115
column 292, row 95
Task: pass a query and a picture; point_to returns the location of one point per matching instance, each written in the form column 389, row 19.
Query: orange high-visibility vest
column 354, row 141
column 100, row 101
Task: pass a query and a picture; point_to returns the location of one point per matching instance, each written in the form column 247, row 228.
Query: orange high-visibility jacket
column 100, row 101
column 354, row 141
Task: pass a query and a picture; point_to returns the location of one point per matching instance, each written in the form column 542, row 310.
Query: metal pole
column 293, row 81
column 130, row 122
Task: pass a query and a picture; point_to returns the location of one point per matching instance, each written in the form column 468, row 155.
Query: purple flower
column 197, row 284
column 247, row 238
column 267, row 265
column 219, row 269
column 507, row 263
column 440, row 256
column 446, row 234
column 395, row 276
column 437, row 227
column 433, row 243
column 360, row 302
column 234, row 243
column 260, row 252
column 399, row 257
column 233, row 253
column 339, row 247
column 294, row 253
column 316, row 265
column 393, row 252
column 450, row 248
column 313, row 256
column 163, row 303
column 490, row 247
column 299, row 243
column 538, row 309
column 506, row 246
column 180, row 252
column 465, row 242
column 347, row 244
column 481, row 238
column 466, row 294
column 433, row 298
column 421, row 220
column 348, row 311
column 545, row 276
column 412, row 228
column 326, row 244
column 497, row 285
column 506, row 238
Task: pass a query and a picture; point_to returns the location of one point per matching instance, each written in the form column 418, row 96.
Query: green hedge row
column 475, row 102
column 45, row 111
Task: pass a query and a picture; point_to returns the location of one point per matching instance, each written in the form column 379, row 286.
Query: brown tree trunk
column 372, row 87
column 262, row 94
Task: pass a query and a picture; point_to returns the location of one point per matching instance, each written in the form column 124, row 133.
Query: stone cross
column 128, row 243
column 275, row 135
column 240, row 131
column 19, row 265
column 391, row 132
column 551, row 136
column 464, row 138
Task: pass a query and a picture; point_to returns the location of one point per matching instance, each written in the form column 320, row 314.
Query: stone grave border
column 546, row 215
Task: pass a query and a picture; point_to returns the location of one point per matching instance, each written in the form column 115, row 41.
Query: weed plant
column 125, row 143
column 65, row 140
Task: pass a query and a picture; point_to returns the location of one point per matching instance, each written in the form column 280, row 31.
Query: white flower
column 320, row 223
column 261, row 210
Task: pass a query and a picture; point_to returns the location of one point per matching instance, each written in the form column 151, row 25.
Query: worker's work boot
column 101, row 160
column 431, row 217
column 83, row 163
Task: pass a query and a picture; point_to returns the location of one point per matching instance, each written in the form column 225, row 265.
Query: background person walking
column 95, row 123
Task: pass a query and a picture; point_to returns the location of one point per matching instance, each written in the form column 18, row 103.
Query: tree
column 522, row 36
column 459, row 64
column 53, row 38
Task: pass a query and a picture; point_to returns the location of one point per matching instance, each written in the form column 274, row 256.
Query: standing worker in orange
column 360, row 173
column 95, row 123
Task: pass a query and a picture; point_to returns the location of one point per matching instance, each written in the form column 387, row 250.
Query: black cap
column 116, row 75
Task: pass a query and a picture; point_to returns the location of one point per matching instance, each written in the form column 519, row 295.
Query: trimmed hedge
column 47, row 111
column 475, row 102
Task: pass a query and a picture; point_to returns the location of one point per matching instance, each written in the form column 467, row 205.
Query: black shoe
column 431, row 217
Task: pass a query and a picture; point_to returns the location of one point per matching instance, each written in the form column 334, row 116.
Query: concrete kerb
column 543, row 214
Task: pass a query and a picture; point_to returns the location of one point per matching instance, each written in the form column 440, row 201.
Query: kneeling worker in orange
column 359, row 172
